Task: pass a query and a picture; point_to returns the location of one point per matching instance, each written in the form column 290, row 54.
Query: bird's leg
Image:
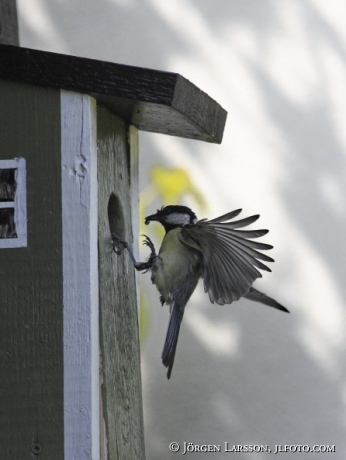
column 120, row 244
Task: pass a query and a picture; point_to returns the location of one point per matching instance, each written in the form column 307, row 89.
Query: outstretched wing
column 230, row 259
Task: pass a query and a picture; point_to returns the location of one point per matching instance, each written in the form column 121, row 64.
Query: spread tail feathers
column 172, row 335
column 258, row 296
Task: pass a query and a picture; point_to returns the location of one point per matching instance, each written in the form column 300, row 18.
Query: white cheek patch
column 177, row 218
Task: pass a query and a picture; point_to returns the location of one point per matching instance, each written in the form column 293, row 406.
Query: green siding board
column 31, row 307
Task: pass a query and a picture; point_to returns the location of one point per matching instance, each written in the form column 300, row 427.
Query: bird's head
column 172, row 217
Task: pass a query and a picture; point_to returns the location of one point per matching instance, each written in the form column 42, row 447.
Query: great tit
column 215, row 250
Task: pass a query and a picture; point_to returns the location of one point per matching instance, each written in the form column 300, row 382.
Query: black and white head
column 173, row 216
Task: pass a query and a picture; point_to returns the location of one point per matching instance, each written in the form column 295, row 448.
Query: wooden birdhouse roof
column 151, row 100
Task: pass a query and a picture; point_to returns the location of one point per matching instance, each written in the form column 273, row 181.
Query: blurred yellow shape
column 172, row 184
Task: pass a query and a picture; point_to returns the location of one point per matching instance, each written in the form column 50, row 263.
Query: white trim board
column 80, row 275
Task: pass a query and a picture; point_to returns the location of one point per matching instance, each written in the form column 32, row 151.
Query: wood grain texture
column 31, row 295
column 80, row 276
column 133, row 143
column 119, row 335
column 9, row 23
column 151, row 100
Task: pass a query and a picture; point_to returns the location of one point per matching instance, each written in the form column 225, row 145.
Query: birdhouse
column 69, row 347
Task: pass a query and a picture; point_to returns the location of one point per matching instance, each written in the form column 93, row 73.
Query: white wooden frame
column 19, row 204
column 80, row 276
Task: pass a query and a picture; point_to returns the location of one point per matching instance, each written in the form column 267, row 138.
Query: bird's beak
column 153, row 217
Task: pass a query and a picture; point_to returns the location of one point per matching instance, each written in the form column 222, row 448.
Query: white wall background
column 244, row 373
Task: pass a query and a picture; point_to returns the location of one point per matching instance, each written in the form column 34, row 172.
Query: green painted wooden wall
column 31, row 315
column 32, row 287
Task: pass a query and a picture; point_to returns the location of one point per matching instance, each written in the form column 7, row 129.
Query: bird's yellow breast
column 174, row 263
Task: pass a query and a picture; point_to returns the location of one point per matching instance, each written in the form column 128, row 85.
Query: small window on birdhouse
column 13, row 228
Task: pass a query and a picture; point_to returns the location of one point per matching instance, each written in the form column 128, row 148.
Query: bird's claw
column 147, row 242
column 116, row 242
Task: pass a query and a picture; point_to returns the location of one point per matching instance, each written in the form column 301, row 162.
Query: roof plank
column 151, row 100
